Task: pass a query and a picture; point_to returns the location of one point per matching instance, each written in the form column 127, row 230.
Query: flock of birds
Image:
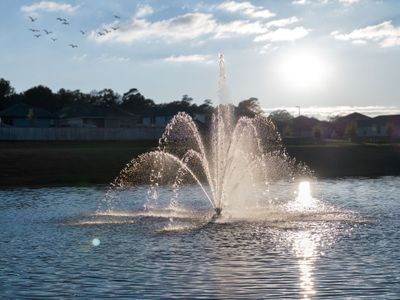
column 37, row 33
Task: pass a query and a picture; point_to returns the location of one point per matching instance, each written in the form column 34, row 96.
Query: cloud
column 185, row 27
column 283, row 34
column 245, row 8
column 385, row 34
column 349, row 2
column 144, row 10
column 301, row 2
column 195, row 58
column 238, row 27
column 345, row 2
column 105, row 57
column 324, row 112
column 48, row 6
column 80, row 58
column 192, row 26
column 283, row 22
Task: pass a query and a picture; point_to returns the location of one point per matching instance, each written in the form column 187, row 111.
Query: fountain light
column 304, row 193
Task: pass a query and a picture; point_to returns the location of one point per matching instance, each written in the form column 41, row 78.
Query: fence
column 80, row 134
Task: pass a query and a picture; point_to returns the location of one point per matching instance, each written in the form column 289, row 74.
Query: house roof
column 379, row 120
column 304, row 122
column 22, row 110
column 93, row 111
column 353, row 117
column 391, row 118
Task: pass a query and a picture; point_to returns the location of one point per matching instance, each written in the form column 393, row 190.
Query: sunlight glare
column 304, row 193
column 304, row 69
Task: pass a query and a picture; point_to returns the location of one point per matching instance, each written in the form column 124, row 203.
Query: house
column 160, row 120
column 381, row 127
column 200, row 117
column 25, row 115
column 92, row 116
column 346, row 123
column 303, row 127
column 154, row 120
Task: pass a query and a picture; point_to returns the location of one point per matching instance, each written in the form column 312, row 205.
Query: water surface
column 53, row 244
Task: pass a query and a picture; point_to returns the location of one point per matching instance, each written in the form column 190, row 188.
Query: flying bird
column 83, row 32
column 117, row 17
column 54, row 39
column 34, row 30
column 32, row 19
column 65, row 23
column 47, row 32
column 114, row 28
column 73, row 46
column 37, row 35
column 101, row 33
column 106, row 30
column 60, row 19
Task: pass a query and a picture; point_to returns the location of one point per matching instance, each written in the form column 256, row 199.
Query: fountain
column 233, row 164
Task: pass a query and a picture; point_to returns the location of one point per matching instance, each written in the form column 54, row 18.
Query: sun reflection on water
column 304, row 200
column 305, row 248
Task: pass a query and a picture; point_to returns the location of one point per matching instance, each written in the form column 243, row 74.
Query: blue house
column 92, row 116
column 24, row 115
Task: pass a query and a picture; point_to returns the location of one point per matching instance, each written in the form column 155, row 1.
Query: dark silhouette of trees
column 68, row 97
column 135, row 102
column 6, row 90
column 249, row 108
column 207, row 107
column 105, row 97
column 6, row 93
column 41, row 96
column 280, row 115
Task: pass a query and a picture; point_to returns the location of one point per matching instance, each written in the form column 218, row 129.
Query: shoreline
column 44, row 164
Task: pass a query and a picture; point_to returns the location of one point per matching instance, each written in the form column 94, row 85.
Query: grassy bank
column 64, row 163
column 349, row 159
column 82, row 163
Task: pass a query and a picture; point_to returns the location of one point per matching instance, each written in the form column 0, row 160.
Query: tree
column 206, row 107
column 6, row 90
column 280, row 115
column 187, row 99
column 208, row 102
column 68, row 97
column 318, row 133
column 106, row 97
column 249, row 108
column 135, row 102
column 350, row 131
column 43, row 97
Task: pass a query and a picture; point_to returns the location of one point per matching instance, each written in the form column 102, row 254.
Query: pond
column 68, row 242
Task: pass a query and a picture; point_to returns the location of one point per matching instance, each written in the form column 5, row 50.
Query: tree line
column 132, row 101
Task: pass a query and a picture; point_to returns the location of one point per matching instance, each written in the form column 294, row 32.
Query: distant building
column 91, row 116
column 25, row 115
column 200, row 117
column 154, row 120
column 303, row 127
column 346, row 123
column 387, row 127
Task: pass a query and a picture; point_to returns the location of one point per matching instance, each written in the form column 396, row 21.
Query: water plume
column 233, row 164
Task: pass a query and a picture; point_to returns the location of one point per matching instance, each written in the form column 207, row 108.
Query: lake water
column 55, row 243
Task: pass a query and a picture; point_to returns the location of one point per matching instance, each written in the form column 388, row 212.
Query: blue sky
column 312, row 53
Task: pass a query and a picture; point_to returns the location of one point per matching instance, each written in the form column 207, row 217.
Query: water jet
column 233, row 164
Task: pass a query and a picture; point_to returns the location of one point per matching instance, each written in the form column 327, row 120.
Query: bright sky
column 287, row 53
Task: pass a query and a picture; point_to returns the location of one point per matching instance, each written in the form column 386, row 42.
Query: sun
column 304, row 69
